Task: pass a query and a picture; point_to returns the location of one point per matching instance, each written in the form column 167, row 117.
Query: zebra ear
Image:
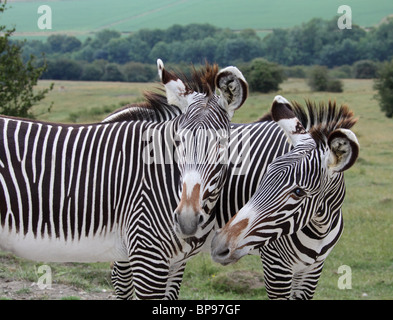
column 344, row 150
column 233, row 88
column 174, row 87
column 284, row 116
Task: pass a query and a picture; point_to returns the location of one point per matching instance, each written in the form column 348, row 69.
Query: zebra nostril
column 224, row 253
column 201, row 220
column 176, row 217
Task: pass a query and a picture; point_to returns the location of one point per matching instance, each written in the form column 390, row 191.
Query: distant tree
column 112, row 73
column 92, row 72
column 103, row 37
column 63, row 69
column 336, row 54
column 151, row 37
column 161, row 50
column 314, row 42
column 55, row 42
column 118, row 49
column 138, row 50
column 139, row 72
column 71, row 44
column 264, row 76
column 384, row 84
column 238, row 49
column 17, row 79
column 378, row 43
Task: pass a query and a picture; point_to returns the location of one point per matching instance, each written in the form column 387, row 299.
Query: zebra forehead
column 190, row 181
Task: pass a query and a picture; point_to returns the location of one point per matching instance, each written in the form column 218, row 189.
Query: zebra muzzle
column 187, row 224
column 220, row 250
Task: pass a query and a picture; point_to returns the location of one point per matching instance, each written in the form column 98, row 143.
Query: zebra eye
column 299, row 192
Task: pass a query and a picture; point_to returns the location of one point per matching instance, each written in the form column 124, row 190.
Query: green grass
column 368, row 209
column 82, row 17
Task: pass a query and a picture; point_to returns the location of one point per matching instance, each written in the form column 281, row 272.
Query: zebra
column 295, row 217
column 89, row 193
column 252, row 147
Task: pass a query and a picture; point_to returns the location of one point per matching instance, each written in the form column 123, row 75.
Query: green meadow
column 366, row 245
column 83, row 17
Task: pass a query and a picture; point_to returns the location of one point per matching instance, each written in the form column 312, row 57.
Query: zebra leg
column 122, row 280
column 174, row 282
column 277, row 274
column 150, row 277
column 305, row 281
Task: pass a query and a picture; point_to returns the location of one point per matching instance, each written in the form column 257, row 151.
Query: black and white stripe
column 294, row 217
column 293, row 263
column 108, row 191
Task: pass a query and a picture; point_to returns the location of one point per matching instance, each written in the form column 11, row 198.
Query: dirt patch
column 240, row 281
column 24, row 290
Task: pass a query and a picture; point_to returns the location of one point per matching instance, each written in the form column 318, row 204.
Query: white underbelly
column 46, row 249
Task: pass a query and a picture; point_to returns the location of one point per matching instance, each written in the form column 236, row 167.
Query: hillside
column 81, row 17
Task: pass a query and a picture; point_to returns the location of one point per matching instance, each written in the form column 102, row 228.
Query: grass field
column 82, row 17
column 366, row 245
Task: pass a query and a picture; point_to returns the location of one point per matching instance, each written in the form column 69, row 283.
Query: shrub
column 295, row 71
column 319, row 80
column 264, row 76
column 334, row 85
column 365, row 69
column 384, row 85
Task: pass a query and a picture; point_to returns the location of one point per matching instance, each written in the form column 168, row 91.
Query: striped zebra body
column 110, row 191
column 295, row 217
column 292, row 263
column 65, row 189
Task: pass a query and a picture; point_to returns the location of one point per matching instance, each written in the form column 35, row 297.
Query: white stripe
column 12, row 172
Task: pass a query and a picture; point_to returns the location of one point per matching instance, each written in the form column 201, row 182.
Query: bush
column 365, row 69
column 263, row 76
column 342, row 72
column 295, row 71
column 334, row 85
column 384, row 85
column 319, row 80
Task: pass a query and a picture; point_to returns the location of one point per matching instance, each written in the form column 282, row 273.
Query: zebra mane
column 156, row 106
column 202, row 80
column 320, row 119
column 153, row 108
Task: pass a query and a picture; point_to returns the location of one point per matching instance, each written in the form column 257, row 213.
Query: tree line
column 108, row 55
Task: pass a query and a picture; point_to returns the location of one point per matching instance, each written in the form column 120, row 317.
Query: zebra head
column 303, row 187
column 208, row 102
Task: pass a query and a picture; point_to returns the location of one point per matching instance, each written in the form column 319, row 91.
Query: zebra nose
column 188, row 223
column 220, row 250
